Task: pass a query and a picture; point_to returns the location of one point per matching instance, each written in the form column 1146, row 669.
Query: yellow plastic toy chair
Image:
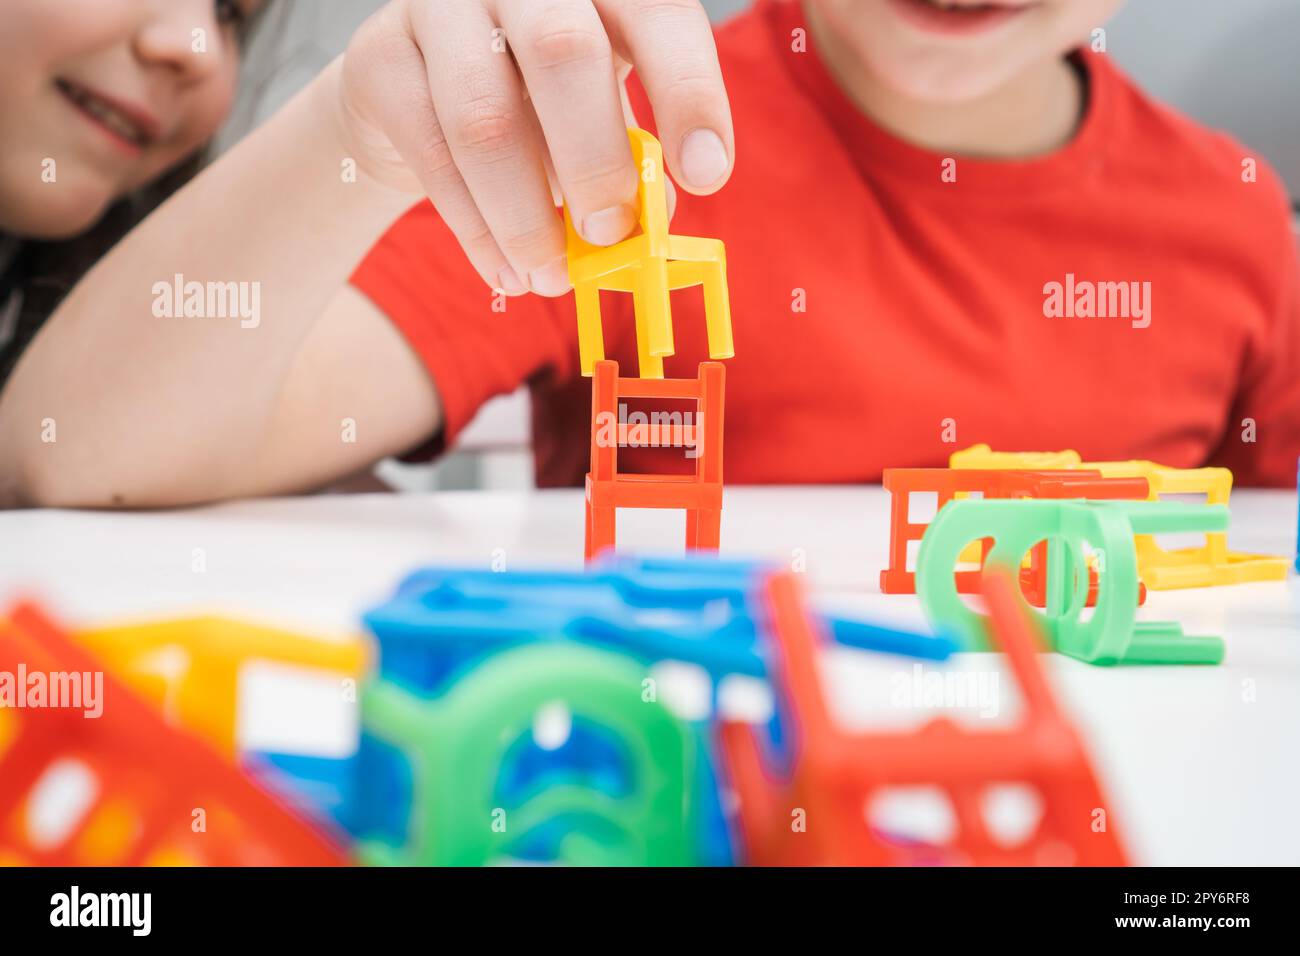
column 1161, row 568
column 650, row 265
column 190, row 668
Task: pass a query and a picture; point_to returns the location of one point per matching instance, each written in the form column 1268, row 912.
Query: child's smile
column 104, row 96
column 957, row 17
column 129, row 127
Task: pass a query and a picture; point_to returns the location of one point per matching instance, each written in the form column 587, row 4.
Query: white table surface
column 1201, row 765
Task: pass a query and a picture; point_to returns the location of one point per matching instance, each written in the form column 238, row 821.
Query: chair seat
column 655, row 491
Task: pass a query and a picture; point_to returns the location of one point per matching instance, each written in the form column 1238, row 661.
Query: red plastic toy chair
column 699, row 493
column 947, row 483
column 836, row 775
column 142, row 792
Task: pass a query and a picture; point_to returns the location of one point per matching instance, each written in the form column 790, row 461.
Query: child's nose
column 185, row 37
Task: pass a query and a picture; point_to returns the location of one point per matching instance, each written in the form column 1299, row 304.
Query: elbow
column 45, row 468
column 37, row 481
column 39, row 478
column 50, row 482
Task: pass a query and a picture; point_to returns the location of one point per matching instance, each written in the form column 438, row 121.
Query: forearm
column 147, row 406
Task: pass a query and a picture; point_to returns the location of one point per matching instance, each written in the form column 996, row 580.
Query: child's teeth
column 953, row 5
column 106, row 115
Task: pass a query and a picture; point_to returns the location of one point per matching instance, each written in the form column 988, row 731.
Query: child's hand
column 497, row 109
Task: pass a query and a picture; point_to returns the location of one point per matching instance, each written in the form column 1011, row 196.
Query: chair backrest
column 651, row 194
column 609, row 432
column 651, row 198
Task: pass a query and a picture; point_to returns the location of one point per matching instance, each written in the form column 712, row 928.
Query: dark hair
column 41, row 273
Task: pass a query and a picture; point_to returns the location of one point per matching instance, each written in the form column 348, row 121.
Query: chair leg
column 652, row 280
column 649, row 365
column 587, row 535
column 591, row 338
column 600, row 530
column 703, row 529
column 717, row 310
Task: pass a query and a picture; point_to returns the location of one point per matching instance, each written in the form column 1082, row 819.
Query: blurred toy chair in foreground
column 836, row 773
column 124, row 788
column 472, row 802
column 192, row 669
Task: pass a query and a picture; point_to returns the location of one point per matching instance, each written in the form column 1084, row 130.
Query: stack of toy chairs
column 649, row 265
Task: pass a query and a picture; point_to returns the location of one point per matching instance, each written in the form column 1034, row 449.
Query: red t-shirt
column 925, row 324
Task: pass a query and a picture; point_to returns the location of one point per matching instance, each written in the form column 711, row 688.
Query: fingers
column 670, row 44
column 391, row 70
column 568, row 65
column 630, row 120
column 500, row 107
column 492, row 137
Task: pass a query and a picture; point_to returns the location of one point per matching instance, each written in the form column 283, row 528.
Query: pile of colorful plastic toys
column 452, row 770
column 1082, row 535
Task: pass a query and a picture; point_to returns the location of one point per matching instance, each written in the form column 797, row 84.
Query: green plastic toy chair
column 457, row 746
column 1110, row 633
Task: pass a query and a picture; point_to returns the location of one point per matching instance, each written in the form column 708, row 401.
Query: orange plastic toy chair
column 836, row 774
column 950, row 483
column 123, row 788
column 700, row 493
column 650, row 265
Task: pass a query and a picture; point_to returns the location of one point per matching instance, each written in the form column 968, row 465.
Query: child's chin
column 941, row 82
column 61, row 214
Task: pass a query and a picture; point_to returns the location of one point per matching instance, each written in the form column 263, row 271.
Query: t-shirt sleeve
column 474, row 342
column 1262, row 441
